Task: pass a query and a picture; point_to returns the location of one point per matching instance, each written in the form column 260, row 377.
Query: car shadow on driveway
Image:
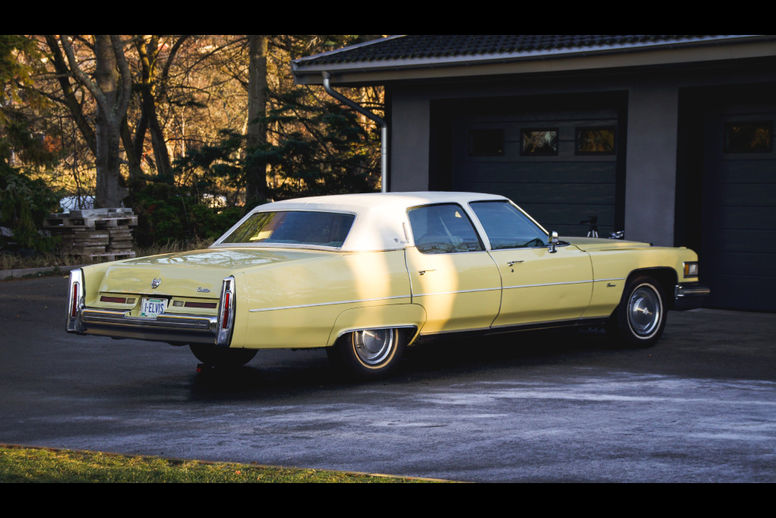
column 704, row 343
column 286, row 372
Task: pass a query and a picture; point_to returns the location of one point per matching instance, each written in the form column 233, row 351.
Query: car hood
column 198, row 273
column 589, row 244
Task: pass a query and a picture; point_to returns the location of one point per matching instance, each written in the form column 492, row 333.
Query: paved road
column 533, row 407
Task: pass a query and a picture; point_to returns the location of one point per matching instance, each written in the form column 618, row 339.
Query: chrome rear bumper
column 177, row 328
column 167, row 328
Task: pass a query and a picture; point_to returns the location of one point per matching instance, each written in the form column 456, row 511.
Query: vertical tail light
column 226, row 313
column 75, row 299
column 227, row 307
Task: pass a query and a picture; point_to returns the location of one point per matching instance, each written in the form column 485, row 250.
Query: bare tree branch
column 170, row 58
column 126, row 78
column 75, row 69
column 69, row 100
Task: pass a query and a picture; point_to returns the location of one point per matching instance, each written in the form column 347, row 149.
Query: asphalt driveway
column 531, row 407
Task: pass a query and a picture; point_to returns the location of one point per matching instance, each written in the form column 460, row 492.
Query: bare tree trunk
column 108, row 192
column 111, row 88
column 256, row 169
column 161, row 155
column 133, row 149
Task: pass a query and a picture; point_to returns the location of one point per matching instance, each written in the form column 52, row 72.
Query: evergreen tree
column 24, row 202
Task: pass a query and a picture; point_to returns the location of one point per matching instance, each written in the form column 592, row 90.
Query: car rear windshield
column 293, row 227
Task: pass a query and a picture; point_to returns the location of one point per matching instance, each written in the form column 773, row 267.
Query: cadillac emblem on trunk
column 155, row 283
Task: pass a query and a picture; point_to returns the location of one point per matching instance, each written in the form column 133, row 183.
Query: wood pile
column 95, row 234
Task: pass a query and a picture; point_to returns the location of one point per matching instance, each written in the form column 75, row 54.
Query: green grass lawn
column 18, row 464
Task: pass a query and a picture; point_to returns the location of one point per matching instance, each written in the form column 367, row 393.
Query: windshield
column 293, row 227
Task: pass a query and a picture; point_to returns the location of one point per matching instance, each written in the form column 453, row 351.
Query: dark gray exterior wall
column 409, row 141
column 650, row 179
column 652, row 127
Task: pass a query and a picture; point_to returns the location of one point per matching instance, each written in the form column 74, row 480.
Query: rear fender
column 401, row 316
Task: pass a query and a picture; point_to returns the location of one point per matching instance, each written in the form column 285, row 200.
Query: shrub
column 167, row 213
column 24, row 204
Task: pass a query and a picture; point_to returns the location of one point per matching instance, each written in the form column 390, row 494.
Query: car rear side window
column 506, row 226
column 293, row 227
column 444, row 228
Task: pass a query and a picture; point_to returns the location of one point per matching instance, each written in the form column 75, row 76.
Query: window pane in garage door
column 558, row 186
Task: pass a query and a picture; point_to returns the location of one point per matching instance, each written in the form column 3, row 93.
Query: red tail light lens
column 74, row 307
column 225, row 323
column 202, row 305
column 120, row 300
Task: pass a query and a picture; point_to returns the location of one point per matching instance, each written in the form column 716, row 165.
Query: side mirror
column 553, row 241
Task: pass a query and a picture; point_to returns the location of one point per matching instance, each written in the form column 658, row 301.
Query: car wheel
column 640, row 318
column 222, row 357
column 368, row 353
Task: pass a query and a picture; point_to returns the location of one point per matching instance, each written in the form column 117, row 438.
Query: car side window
column 443, row 229
column 507, row 227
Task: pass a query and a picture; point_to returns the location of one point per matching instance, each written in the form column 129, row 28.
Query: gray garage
column 669, row 138
column 559, row 165
column 730, row 188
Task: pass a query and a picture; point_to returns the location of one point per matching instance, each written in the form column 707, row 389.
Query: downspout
column 367, row 113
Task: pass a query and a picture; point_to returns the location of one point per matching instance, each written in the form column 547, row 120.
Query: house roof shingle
column 417, row 52
column 437, row 46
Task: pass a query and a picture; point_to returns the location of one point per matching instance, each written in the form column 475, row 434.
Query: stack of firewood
column 95, row 234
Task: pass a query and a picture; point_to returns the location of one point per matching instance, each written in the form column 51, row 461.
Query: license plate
column 152, row 308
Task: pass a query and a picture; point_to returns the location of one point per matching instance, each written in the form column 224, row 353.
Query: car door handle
column 512, row 263
column 423, row 272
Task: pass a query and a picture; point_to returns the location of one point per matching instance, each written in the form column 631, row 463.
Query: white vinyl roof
column 381, row 218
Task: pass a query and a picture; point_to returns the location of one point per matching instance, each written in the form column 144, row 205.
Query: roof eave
column 712, row 48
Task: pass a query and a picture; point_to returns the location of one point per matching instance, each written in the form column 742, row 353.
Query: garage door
column 739, row 208
column 561, row 167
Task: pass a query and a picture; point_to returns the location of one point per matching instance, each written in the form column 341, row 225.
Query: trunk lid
column 198, row 273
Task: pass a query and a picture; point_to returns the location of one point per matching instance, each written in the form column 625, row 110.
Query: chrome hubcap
column 644, row 310
column 373, row 346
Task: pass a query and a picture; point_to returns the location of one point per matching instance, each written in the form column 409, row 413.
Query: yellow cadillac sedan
column 367, row 275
